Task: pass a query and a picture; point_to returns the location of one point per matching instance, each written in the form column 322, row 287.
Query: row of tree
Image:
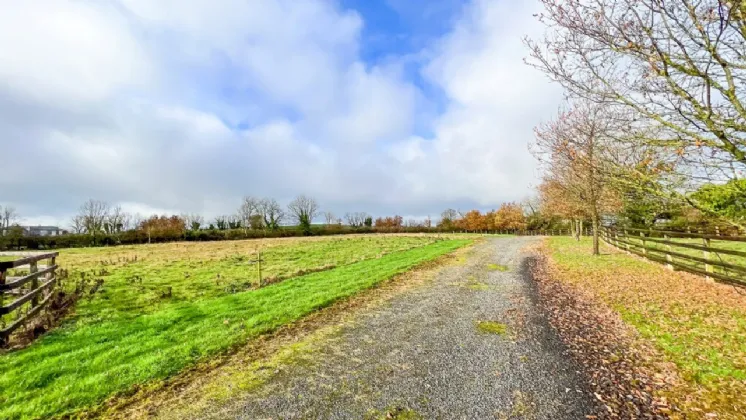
column 655, row 124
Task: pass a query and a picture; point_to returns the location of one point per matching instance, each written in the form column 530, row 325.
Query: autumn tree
column 577, row 152
column 389, row 222
column 472, row 220
column 163, row 227
column 558, row 201
column 509, row 217
column 678, row 68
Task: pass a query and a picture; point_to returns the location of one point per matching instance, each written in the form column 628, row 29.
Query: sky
column 402, row 107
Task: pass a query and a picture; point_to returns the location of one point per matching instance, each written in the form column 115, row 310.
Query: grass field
column 699, row 326
column 131, row 332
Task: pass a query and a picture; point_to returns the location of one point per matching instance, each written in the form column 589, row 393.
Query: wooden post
column 627, row 239
column 708, row 267
column 668, row 256
column 260, row 268
column 642, row 238
column 3, row 338
column 717, row 230
column 34, row 282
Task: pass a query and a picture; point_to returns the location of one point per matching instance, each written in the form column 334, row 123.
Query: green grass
column 94, row 357
column 698, row 326
column 491, row 327
column 497, row 267
column 148, row 278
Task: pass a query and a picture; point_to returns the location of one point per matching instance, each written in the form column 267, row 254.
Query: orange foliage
column 163, row 227
column 390, row 222
column 509, row 217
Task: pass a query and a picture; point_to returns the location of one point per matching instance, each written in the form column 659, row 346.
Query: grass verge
column 74, row 368
column 697, row 325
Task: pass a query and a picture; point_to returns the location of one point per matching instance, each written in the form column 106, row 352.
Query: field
column 697, row 325
column 163, row 308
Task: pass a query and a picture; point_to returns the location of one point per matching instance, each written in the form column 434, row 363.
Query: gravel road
column 421, row 355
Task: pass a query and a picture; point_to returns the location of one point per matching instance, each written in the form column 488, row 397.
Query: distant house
column 39, row 231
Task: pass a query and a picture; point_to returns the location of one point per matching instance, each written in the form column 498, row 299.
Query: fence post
column 3, row 338
column 33, row 268
column 644, row 249
column 708, row 267
column 626, row 239
column 668, row 249
column 717, row 230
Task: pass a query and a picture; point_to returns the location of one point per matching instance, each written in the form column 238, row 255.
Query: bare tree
column 77, row 224
column 678, row 67
column 303, row 209
column 117, row 221
column 193, row 221
column 248, row 209
column 330, row 218
column 271, row 213
column 356, row 219
column 94, row 214
column 8, row 218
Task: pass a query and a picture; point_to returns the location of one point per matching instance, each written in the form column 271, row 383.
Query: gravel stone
column 422, row 354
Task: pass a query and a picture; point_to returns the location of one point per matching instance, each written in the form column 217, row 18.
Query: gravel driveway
column 422, row 355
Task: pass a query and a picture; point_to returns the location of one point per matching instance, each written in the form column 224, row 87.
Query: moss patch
column 477, row 286
column 491, row 327
column 497, row 267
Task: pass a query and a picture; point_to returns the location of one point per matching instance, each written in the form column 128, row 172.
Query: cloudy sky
column 385, row 106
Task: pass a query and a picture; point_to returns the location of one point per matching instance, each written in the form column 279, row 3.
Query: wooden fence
column 713, row 255
column 29, row 293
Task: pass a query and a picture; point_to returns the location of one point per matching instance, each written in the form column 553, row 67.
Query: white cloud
column 137, row 102
column 68, row 51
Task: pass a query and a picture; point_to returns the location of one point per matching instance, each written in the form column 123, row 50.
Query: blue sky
column 390, row 107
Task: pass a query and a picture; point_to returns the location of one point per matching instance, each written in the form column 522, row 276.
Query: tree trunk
column 596, row 245
column 576, row 229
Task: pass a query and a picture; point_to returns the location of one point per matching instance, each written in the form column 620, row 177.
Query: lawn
column 131, row 333
column 698, row 325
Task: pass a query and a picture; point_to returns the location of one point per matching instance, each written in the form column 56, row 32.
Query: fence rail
column 714, row 257
column 28, row 293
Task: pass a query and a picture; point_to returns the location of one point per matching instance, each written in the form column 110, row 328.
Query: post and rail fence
column 22, row 297
column 714, row 255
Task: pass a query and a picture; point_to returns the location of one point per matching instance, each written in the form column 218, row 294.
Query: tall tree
column 677, row 67
column 330, row 218
column 249, row 208
column 8, row 217
column 271, row 213
column 94, row 215
column 304, row 209
column 577, row 151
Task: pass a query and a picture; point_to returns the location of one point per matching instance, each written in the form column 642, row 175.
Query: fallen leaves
column 678, row 339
